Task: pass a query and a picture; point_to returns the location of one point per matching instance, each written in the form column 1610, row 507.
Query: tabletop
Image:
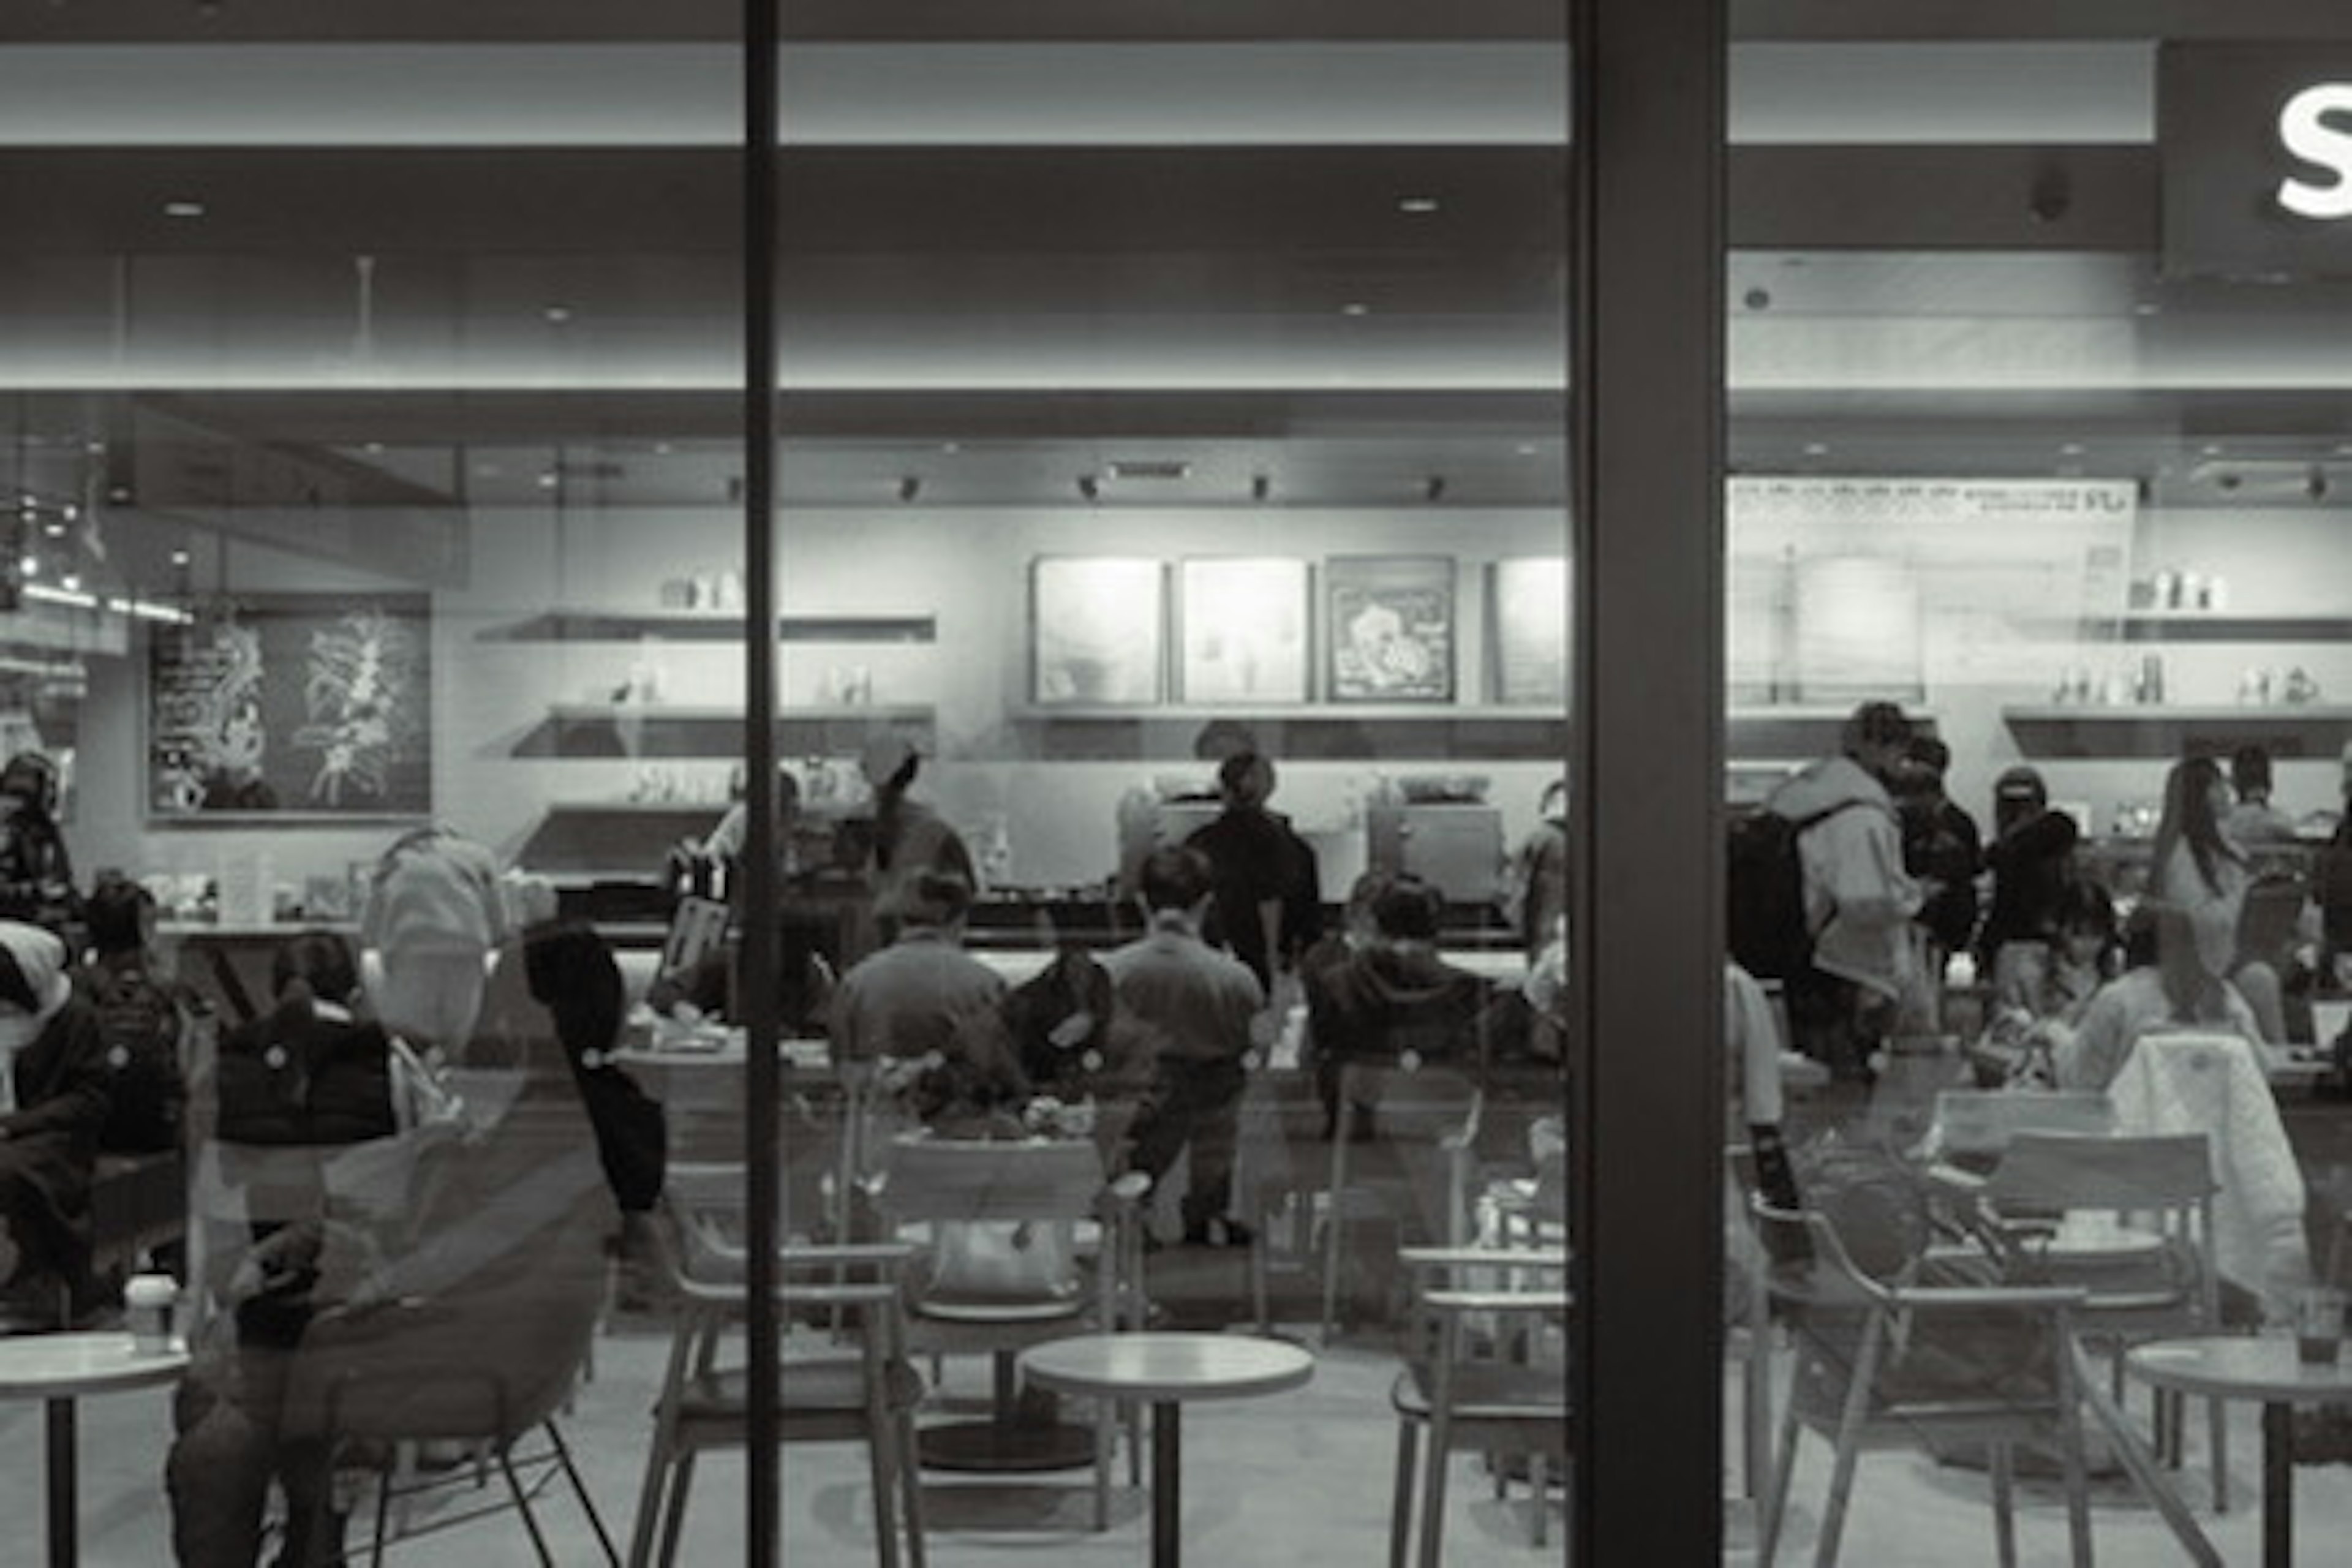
column 1170, row 1366
column 2242, row 1366
column 57, row 1366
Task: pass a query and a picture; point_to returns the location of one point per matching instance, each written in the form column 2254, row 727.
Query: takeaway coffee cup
column 147, row 1304
column 2318, row 1324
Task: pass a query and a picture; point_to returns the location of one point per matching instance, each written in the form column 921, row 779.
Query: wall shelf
column 2206, row 625
column 2172, row 731
column 604, row 730
column 1452, row 734
column 689, row 626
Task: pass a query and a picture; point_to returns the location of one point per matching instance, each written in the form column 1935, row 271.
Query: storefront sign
column 2256, row 141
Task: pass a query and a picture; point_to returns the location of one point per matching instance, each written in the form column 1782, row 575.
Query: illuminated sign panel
column 2256, row 141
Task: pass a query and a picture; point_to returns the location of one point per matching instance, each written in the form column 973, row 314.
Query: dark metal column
column 757, row 978
column 1646, row 390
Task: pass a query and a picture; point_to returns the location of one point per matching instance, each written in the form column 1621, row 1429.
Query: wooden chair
column 1426, row 1116
column 866, row 1393
column 1477, row 1376
column 1081, row 1232
column 1881, row 1364
column 2162, row 1185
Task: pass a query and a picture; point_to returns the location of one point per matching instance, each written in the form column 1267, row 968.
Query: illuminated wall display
column 2256, row 144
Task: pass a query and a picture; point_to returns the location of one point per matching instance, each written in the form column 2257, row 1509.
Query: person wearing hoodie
column 433, row 916
column 1859, row 900
column 1394, row 1000
column 1196, row 1005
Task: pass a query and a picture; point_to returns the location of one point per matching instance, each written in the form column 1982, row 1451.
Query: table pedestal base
column 64, row 1550
column 1167, row 1465
column 1005, row 1447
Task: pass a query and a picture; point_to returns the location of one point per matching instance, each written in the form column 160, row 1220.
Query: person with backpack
column 143, row 1017
column 1857, row 900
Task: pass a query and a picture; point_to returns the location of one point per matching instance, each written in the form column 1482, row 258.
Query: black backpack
column 140, row 1019
column 1764, row 883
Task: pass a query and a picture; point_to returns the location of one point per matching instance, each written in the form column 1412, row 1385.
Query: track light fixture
column 1260, row 486
column 910, row 488
column 1433, row 491
column 2315, row 487
column 1090, row 487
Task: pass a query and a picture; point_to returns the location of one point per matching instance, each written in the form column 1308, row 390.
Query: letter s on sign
column 2304, row 130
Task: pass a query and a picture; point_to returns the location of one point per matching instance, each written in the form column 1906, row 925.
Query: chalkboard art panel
column 293, row 706
column 1390, row 627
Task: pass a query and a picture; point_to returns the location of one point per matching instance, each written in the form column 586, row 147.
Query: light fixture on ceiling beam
column 1090, row 487
column 1260, row 487
column 910, row 488
column 1433, row 490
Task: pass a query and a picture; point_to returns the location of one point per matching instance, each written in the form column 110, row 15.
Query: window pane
column 2025, row 389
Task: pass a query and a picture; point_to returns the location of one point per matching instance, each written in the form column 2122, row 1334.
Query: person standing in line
column 1942, row 848
column 433, row 916
column 1858, row 900
column 2253, row 819
column 2197, row 867
column 1538, row 889
column 1267, row 903
column 910, row 838
column 1195, row 1003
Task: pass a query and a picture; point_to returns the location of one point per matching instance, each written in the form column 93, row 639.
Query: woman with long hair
column 2198, row 869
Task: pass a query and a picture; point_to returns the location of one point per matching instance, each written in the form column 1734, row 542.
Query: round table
column 1167, row 1368
column 2267, row 1369
column 59, row 1369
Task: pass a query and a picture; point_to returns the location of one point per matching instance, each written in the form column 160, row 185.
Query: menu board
column 1096, row 630
column 293, row 705
column 1528, row 611
column 1244, row 630
column 1391, row 628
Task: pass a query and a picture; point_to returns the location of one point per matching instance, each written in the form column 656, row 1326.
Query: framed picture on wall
column 1244, row 630
column 1527, row 614
column 292, row 706
column 1391, row 628
column 1097, row 631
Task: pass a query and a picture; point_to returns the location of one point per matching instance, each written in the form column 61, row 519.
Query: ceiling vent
column 1157, row 468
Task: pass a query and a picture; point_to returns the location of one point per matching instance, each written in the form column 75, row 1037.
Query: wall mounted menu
column 1244, row 630
column 293, row 705
column 1527, row 608
column 1392, row 620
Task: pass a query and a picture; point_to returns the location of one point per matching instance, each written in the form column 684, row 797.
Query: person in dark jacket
column 1394, row 1000
column 55, row 1064
column 306, row 1075
column 143, row 1016
column 37, row 877
column 1941, row 849
column 1268, row 901
column 2031, row 857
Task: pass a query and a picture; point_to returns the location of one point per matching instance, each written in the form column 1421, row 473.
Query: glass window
column 2031, row 509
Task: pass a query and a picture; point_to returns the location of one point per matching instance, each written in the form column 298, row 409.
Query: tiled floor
column 1299, row 1481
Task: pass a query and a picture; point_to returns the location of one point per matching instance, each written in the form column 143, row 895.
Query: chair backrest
column 1985, row 1120
column 2268, row 917
column 2060, row 1171
column 934, row 1179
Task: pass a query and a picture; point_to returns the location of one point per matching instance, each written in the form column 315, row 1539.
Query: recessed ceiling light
column 951, row 448
column 547, row 479
column 2210, row 449
column 2069, row 449
column 183, row 209
column 373, row 449
column 1354, row 308
column 558, row 314
column 30, row 566
column 2148, row 308
column 1527, row 448
column 1816, row 450
column 663, row 448
column 70, row 513
column 179, row 558
column 1417, row 205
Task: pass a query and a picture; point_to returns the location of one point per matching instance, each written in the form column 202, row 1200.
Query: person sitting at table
column 2043, row 994
column 1087, row 1062
column 53, row 1065
column 308, row 1074
column 433, row 916
column 1395, row 1001
column 911, row 998
column 2163, row 986
column 143, row 1017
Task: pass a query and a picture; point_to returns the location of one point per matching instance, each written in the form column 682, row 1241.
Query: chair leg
column 1432, row 1487
column 911, row 1487
column 2005, row 1504
column 580, row 1493
column 1106, row 1441
column 1849, row 1441
column 881, row 1450
column 1332, row 1254
column 2069, row 1441
column 1541, row 1490
column 2217, row 1436
column 673, row 1512
column 1776, row 1495
column 523, row 1503
column 376, row 1541
column 1400, row 1497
